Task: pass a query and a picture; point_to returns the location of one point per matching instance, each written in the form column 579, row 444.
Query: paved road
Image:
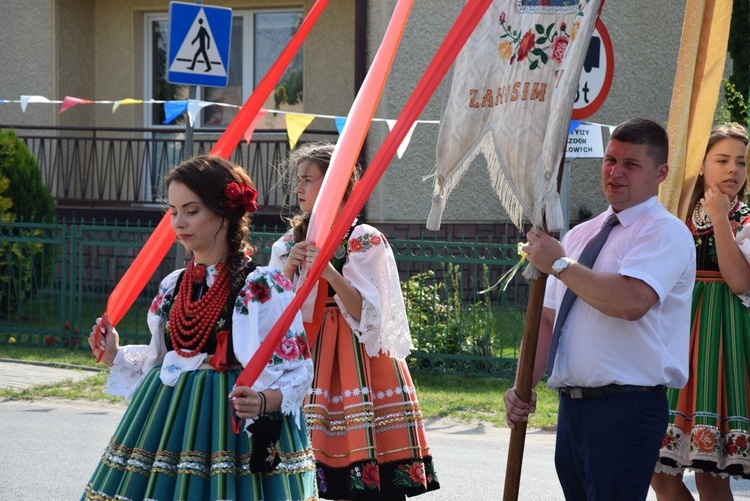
column 49, row 448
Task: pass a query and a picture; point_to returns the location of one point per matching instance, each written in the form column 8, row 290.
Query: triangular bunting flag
column 296, row 123
column 69, row 102
column 340, row 122
column 194, row 107
column 407, row 139
column 25, row 100
column 254, row 124
column 173, row 109
column 128, row 100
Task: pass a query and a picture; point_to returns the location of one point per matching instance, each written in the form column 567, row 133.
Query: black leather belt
column 577, row 393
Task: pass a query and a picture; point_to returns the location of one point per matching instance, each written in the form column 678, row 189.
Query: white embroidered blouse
column 261, row 301
column 370, row 267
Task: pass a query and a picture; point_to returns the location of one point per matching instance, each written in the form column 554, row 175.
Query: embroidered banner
column 511, row 99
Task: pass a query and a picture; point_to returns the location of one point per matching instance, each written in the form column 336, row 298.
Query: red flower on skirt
column 416, row 473
column 741, row 442
column 371, row 475
column 668, row 440
column 704, row 440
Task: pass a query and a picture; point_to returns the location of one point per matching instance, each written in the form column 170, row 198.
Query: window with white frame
column 258, row 37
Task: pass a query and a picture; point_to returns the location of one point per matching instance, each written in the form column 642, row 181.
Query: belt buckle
column 575, row 393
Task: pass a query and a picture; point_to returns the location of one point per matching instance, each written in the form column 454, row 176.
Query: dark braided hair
column 208, row 176
column 318, row 153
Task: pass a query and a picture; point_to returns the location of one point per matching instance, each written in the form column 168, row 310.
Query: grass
column 463, row 399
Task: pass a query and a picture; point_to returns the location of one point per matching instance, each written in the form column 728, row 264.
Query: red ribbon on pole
column 158, row 244
column 433, row 75
column 232, row 136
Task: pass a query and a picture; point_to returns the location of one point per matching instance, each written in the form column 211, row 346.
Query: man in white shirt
column 625, row 337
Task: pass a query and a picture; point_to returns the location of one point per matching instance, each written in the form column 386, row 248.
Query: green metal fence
column 56, row 278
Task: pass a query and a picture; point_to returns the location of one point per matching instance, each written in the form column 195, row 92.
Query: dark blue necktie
column 587, row 259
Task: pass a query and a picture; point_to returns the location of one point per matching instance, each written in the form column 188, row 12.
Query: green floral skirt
column 177, row 443
column 709, row 428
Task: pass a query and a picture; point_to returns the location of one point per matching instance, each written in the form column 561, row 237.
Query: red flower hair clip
column 240, row 196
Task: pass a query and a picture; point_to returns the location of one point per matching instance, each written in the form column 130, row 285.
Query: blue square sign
column 199, row 38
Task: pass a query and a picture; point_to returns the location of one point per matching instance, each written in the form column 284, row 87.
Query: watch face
column 559, row 265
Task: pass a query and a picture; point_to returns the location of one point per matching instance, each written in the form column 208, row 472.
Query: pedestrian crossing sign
column 198, row 49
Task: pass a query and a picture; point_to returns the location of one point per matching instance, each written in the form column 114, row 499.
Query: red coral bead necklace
column 192, row 322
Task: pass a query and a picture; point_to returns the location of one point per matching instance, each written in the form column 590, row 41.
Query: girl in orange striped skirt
column 363, row 415
column 709, row 429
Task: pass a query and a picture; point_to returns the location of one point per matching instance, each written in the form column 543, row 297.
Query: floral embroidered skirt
column 365, row 422
column 709, row 428
column 177, row 443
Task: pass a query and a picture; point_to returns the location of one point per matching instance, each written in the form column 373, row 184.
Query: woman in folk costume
column 363, row 415
column 709, row 428
column 178, row 438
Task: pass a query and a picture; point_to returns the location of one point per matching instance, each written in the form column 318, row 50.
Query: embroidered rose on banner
column 538, row 44
column 559, row 44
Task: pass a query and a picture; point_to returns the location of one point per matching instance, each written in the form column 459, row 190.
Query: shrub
column 31, row 198
column 23, row 197
column 442, row 321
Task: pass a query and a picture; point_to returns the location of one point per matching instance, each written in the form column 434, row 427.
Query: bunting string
column 296, row 122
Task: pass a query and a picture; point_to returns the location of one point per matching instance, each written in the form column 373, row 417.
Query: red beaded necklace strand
column 191, row 322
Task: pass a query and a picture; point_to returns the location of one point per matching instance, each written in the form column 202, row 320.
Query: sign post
column 585, row 141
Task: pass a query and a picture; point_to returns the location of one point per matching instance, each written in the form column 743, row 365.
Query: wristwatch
column 561, row 265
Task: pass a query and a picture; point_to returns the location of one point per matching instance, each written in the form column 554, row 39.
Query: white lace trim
column 743, row 241
column 175, row 365
column 129, row 369
column 294, row 386
column 383, row 326
column 378, row 395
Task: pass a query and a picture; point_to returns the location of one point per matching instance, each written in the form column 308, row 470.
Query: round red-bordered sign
column 598, row 79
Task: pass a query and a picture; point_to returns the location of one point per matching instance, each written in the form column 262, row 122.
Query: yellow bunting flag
column 296, row 123
column 128, row 100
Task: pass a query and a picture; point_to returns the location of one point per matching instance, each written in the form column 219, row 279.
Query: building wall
column 28, row 58
column 75, row 58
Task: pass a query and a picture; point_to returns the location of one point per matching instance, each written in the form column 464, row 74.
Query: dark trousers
column 607, row 447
